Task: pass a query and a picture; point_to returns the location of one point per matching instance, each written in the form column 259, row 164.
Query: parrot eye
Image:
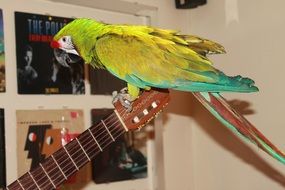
column 65, row 43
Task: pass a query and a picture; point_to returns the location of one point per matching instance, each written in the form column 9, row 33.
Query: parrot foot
column 124, row 98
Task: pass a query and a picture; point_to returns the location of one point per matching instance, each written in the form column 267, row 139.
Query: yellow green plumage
column 148, row 57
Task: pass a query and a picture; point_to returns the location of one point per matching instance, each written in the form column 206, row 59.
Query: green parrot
column 147, row 57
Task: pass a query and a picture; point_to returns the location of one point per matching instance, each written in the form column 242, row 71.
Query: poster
column 42, row 132
column 2, row 55
column 2, row 151
column 39, row 71
column 125, row 159
column 104, row 83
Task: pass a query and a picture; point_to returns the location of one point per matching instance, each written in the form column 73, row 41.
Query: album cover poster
column 40, row 69
column 104, row 83
column 42, row 132
column 2, row 55
column 2, row 152
column 125, row 159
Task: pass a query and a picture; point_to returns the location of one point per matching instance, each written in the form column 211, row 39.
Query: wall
column 177, row 128
column 177, row 131
column 12, row 101
column 253, row 34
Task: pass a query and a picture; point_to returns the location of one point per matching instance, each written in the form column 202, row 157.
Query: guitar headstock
column 144, row 109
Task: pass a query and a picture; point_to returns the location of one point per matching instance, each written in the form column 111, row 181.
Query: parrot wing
column 203, row 46
column 238, row 124
column 152, row 62
column 198, row 44
column 145, row 60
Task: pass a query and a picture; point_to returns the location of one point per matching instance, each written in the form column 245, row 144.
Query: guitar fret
column 107, row 130
column 99, row 131
column 26, row 182
column 76, row 153
column 90, row 146
column 64, row 161
column 58, row 166
column 71, row 158
column 53, row 171
column 34, row 180
column 83, row 149
column 14, row 186
column 40, row 178
column 47, row 175
column 95, row 140
column 20, row 184
column 114, row 129
column 121, row 121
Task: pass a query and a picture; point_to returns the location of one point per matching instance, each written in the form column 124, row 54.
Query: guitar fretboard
column 70, row 158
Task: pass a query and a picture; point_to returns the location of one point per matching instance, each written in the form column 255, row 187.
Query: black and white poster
column 104, row 83
column 39, row 71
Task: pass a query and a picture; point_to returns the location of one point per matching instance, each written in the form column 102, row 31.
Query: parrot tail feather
column 238, row 124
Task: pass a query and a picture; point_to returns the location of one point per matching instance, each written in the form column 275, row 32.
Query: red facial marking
column 54, row 44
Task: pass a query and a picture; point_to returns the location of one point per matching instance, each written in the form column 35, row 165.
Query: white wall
column 253, row 34
column 11, row 101
column 177, row 130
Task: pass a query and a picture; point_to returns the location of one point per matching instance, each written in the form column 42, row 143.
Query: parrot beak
column 56, row 45
column 72, row 51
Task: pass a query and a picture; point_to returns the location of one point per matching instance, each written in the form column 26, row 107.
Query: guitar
column 62, row 164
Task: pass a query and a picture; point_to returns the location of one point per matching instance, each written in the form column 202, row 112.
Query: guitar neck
column 70, row 158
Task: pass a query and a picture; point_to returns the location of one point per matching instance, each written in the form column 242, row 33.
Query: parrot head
column 65, row 51
column 64, row 43
column 77, row 38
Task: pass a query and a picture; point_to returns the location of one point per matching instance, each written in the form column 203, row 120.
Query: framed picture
column 2, row 55
column 104, row 83
column 2, row 151
column 40, row 69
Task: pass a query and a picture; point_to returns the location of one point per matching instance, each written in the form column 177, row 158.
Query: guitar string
column 89, row 139
column 28, row 182
column 107, row 122
column 102, row 137
column 31, row 185
column 59, row 178
column 109, row 142
column 79, row 159
column 60, row 161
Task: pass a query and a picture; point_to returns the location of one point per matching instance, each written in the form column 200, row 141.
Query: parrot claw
column 124, row 98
